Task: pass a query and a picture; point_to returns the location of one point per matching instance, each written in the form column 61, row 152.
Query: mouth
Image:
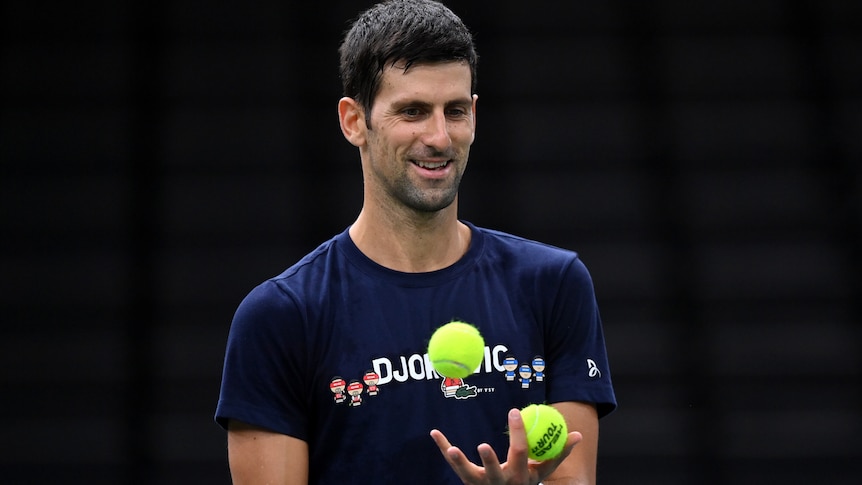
column 428, row 165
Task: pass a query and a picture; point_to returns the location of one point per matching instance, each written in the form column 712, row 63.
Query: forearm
column 566, row 481
column 259, row 456
column 579, row 468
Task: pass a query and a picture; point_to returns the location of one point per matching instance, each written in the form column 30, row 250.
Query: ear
column 351, row 116
column 475, row 103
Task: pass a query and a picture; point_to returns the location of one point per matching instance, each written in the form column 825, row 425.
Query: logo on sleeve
column 593, row 369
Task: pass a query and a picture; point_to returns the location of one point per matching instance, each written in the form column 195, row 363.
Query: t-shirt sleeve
column 263, row 366
column 578, row 363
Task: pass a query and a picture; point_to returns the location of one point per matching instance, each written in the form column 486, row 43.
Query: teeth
column 430, row 165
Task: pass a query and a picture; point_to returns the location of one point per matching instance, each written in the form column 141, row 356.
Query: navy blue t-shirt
column 333, row 352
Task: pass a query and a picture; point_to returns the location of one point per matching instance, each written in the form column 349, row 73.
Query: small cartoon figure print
column 510, row 363
column 456, row 388
column 355, row 390
column 525, row 372
column 371, row 378
column 539, row 368
column 450, row 386
column 337, row 385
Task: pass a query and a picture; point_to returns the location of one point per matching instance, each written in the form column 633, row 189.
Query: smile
column 430, row 165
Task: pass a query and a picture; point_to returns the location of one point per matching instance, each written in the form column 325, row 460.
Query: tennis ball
column 456, row 349
column 546, row 431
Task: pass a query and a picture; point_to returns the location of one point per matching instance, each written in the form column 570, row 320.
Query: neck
column 411, row 243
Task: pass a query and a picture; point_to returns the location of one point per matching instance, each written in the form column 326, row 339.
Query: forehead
column 427, row 80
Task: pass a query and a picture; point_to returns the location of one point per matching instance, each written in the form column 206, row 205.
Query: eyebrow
column 425, row 104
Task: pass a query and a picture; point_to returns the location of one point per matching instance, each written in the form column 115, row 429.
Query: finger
column 573, row 439
column 545, row 468
column 516, row 459
column 441, row 440
column 493, row 469
column 457, row 460
column 517, row 436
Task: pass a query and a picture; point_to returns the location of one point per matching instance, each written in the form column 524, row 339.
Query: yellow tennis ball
column 546, row 431
column 456, row 349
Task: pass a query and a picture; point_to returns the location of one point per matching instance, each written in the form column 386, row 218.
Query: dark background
column 160, row 158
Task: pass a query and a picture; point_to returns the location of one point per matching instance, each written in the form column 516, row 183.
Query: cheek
column 464, row 135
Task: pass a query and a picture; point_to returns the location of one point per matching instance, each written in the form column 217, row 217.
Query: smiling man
column 366, row 302
column 414, row 146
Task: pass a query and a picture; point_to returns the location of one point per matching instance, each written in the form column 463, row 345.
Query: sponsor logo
column 593, row 371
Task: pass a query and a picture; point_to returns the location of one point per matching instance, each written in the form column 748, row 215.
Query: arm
column 579, row 468
column 259, row 456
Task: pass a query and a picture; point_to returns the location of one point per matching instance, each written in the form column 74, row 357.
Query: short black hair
column 401, row 31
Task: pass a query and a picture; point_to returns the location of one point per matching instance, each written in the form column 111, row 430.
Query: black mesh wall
column 161, row 158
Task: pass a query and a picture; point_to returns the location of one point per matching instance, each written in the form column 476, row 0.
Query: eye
column 457, row 112
column 411, row 112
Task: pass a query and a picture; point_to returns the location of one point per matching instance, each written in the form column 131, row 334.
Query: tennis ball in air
column 456, row 349
column 546, row 431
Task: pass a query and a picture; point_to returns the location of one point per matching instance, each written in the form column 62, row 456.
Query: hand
column 517, row 470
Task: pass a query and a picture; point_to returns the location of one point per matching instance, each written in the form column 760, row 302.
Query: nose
column 436, row 132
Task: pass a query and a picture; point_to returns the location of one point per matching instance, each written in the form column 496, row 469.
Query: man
column 367, row 301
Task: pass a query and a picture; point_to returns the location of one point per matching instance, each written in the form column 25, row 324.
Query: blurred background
column 161, row 158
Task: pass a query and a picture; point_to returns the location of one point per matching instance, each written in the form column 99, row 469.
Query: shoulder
column 315, row 261
column 527, row 257
column 501, row 244
column 287, row 290
column 314, row 270
column 508, row 240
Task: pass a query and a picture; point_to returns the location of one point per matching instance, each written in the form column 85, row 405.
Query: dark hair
column 401, row 31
